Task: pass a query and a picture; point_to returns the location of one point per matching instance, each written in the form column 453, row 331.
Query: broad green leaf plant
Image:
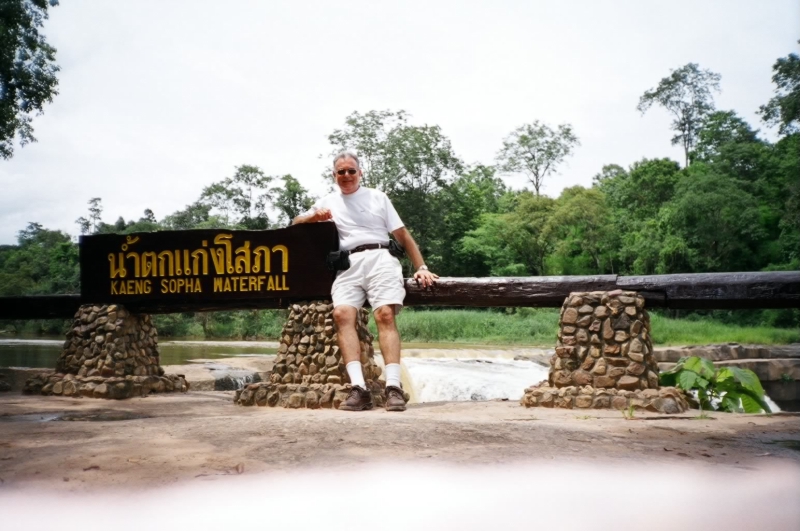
column 730, row 389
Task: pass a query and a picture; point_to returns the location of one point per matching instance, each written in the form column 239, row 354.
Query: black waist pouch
column 338, row 261
column 396, row 250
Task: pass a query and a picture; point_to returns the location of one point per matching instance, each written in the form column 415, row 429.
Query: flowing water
column 431, row 372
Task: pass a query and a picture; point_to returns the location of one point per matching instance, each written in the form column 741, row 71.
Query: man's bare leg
column 345, row 318
column 359, row 397
column 388, row 336
column 389, row 339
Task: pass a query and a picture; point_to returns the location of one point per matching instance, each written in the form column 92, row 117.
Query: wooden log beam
column 504, row 291
column 774, row 289
column 39, row 306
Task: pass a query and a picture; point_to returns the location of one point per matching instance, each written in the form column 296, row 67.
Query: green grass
column 522, row 326
column 668, row 331
column 538, row 326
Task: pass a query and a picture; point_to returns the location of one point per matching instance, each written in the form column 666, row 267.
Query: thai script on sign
column 180, row 270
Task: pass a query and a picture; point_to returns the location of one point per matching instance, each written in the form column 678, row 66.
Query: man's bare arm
column 424, row 277
column 323, row 214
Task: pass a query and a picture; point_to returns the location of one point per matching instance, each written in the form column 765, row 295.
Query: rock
column 296, row 400
column 570, row 316
column 636, row 369
column 583, row 401
column 636, row 346
column 620, row 336
column 637, row 357
column 601, row 312
column 599, row 367
column 608, row 331
column 581, row 377
column 628, row 382
column 616, row 372
column 619, row 402
column 604, row 382
column 101, row 391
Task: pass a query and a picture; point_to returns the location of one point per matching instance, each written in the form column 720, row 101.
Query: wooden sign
column 193, row 269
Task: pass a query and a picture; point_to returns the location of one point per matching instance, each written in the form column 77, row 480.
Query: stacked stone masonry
column 309, row 370
column 604, row 357
column 109, row 353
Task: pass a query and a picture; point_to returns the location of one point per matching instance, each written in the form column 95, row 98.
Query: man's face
column 347, row 175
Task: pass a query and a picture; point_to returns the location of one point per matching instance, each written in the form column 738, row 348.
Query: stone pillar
column 604, row 357
column 309, row 370
column 109, row 353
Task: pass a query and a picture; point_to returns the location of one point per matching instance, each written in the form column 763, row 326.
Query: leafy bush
column 730, row 389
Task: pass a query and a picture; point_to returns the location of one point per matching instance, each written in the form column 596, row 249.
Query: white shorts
column 374, row 275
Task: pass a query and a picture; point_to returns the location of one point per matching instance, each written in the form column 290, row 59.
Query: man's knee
column 344, row 316
column 384, row 316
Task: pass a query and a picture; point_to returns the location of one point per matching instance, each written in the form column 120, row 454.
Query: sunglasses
column 351, row 171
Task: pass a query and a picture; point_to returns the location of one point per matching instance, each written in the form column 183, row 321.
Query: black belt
column 368, row 247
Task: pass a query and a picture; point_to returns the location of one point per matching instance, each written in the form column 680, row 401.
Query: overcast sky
column 161, row 98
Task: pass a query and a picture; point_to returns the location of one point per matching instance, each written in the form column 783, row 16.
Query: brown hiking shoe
column 395, row 401
column 358, row 399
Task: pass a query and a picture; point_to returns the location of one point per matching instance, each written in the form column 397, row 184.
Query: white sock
column 393, row 374
column 356, row 374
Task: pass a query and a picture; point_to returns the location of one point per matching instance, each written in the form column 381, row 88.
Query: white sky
column 161, row 98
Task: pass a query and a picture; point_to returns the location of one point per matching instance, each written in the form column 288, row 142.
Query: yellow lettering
column 243, row 284
column 251, row 284
column 147, row 287
column 131, row 287
column 197, row 286
column 179, row 284
column 227, row 284
column 283, row 280
column 164, row 286
column 172, row 285
column 261, row 280
column 217, row 284
column 114, row 287
column 270, row 284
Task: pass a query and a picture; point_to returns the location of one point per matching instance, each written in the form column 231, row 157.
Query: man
column 364, row 218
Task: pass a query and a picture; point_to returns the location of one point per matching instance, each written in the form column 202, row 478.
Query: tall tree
column 291, row 199
column 536, row 150
column 367, row 134
column 27, row 70
column 93, row 222
column 686, row 94
column 243, row 198
column 784, row 108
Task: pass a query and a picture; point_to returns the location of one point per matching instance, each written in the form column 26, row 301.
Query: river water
column 431, row 372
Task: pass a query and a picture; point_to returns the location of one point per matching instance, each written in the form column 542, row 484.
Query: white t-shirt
column 365, row 216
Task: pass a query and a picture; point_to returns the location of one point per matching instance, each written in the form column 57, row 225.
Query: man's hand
column 426, row 278
column 323, row 214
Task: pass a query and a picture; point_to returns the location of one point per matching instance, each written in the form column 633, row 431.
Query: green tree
column 513, row 243
column 93, row 223
column 242, row 199
column 718, row 220
column 291, row 199
column 475, row 192
column 194, row 216
column 536, row 150
column 43, row 261
column 368, row 135
column 577, row 230
column 687, row 95
column 27, row 70
column 783, row 109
